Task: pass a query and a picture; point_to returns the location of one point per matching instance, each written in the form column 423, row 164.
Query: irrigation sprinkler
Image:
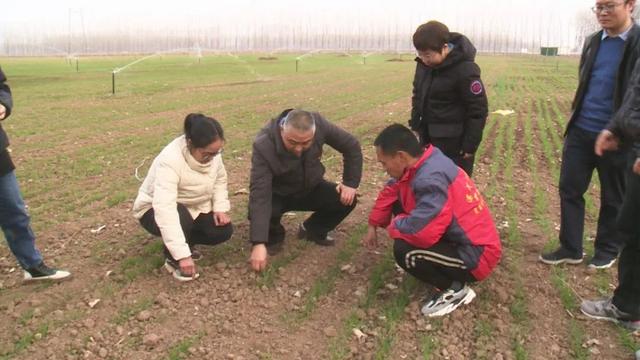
column 70, row 59
column 365, row 56
column 198, row 52
column 117, row 70
column 299, row 58
column 113, row 82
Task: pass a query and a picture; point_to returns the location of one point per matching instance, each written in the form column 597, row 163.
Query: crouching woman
column 184, row 197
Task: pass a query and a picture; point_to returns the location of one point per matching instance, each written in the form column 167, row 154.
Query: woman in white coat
column 184, row 197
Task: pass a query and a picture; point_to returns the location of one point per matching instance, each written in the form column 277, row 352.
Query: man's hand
column 636, row 166
column 606, row 141
column 258, row 257
column 3, row 112
column 187, row 266
column 370, row 239
column 347, row 194
column 221, row 219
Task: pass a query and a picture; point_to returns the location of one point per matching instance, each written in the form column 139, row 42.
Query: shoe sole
column 32, row 279
column 173, row 271
column 599, row 267
column 324, row 243
column 302, row 235
column 561, row 261
column 446, row 310
column 624, row 324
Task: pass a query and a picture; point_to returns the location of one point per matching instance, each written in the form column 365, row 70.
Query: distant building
column 548, row 51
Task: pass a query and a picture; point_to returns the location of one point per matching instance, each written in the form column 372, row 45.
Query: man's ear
column 404, row 156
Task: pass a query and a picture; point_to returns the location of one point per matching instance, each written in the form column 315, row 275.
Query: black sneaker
column 559, row 256
column 325, row 240
column 173, row 267
column 43, row 272
column 274, row 247
column 601, row 262
column 605, row 310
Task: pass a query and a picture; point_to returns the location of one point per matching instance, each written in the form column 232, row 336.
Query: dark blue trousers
column 578, row 163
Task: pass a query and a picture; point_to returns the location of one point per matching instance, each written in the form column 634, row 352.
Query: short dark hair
column 396, row 138
column 202, row 130
column 431, row 36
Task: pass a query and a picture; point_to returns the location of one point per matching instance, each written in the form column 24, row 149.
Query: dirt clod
column 150, row 340
column 330, row 331
column 144, row 315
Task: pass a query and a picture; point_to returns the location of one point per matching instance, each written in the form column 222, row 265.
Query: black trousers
column 452, row 148
column 438, row 265
column 627, row 295
column 202, row 230
column 323, row 200
column 578, row 162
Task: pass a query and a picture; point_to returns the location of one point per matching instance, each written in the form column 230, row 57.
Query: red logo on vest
column 476, row 87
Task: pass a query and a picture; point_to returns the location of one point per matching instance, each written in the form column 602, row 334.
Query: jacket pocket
column 445, row 130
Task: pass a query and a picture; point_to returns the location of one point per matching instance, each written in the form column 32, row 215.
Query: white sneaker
column 43, row 272
column 174, row 269
column 447, row 301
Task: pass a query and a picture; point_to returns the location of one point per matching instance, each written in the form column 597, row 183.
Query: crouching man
column 442, row 229
column 287, row 174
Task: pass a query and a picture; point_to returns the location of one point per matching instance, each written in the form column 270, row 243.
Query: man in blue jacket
column 608, row 58
column 14, row 219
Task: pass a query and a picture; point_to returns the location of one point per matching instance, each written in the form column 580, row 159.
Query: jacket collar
column 194, row 164
column 410, row 172
column 624, row 35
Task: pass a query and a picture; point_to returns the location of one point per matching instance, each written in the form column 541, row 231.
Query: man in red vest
column 442, row 229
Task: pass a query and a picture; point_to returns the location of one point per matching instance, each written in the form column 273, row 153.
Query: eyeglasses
column 424, row 55
column 206, row 155
column 599, row 9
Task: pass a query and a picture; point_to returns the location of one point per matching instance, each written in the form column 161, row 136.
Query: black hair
column 431, row 36
column 202, row 130
column 396, row 138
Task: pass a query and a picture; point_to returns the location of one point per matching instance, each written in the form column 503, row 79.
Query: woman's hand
column 221, row 219
column 187, row 266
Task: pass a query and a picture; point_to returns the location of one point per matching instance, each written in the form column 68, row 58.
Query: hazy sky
column 56, row 16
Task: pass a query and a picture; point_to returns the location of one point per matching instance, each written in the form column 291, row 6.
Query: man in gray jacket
column 287, row 174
